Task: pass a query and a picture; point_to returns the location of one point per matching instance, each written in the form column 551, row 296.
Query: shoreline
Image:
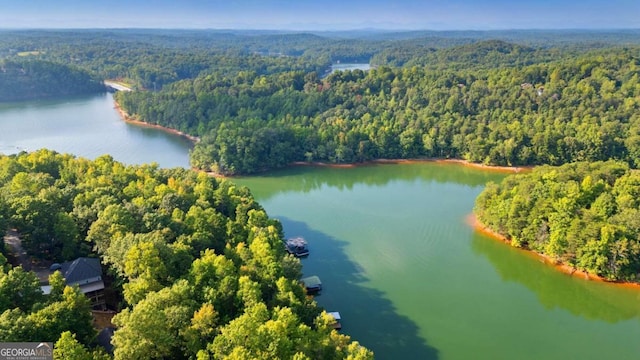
column 473, row 221
column 131, row 120
column 460, row 162
column 501, row 169
column 496, row 168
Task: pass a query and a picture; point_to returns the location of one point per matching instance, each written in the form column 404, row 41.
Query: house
column 87, row 274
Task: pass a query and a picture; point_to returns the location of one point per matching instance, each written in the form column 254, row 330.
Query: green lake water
column 390, row 242
column 413, row 281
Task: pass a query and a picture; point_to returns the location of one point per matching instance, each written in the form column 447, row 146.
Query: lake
column 413, row 281
column 349, row 66
column 391, row 244
column 87, row 127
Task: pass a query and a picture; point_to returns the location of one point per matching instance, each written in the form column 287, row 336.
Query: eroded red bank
column 473, row 221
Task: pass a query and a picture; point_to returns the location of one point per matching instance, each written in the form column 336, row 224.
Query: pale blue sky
column 322, row 15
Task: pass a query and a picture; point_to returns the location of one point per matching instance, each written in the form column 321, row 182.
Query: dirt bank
column 473, row 221
column 502, row 169
column 128, row 118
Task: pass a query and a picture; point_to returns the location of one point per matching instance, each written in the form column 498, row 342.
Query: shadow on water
column 367, row 316
column 554, row 289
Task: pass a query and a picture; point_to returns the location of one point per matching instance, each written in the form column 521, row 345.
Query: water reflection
column 308, row 178
column 588, row 299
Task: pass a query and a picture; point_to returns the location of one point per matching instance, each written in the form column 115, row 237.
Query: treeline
column 150, row 59
column 586, row 215
column 25, row 79
column 487, row 54
column 581, row 108
column 202, row 269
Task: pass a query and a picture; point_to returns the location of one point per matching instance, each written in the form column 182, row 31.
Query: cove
column 412, row 280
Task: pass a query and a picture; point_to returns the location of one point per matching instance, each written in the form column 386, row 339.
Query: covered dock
column 312, row 284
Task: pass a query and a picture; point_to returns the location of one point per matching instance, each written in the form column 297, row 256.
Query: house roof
column 82, row 271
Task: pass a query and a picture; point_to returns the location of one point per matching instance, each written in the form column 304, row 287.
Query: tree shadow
column 317, row 177
column 367, row 316
column 554, row 289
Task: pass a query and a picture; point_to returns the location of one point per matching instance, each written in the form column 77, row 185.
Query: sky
column 322, row 14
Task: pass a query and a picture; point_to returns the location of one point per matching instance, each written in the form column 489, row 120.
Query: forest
column 582, row 108
column 583, row 214
column 200, row 268
column 262, row 100
column 28, row 79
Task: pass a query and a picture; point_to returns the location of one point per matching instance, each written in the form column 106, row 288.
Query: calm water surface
column 350, row 66
column 411, row 279
column 87, row 127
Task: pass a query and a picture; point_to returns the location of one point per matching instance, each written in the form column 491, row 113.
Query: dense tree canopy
column 586, row 215
column 578, row 109
column 24, row 79
column 203, row 269
column 261, row 100
column 28, row 315
column 150, row 59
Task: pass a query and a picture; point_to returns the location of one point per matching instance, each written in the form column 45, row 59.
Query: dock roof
column 312, row 282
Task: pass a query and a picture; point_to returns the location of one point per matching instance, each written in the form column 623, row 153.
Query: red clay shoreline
column 130, row 119
column 473, row 221
column 502, row 169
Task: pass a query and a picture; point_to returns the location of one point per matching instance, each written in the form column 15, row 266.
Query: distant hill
column 34, row 79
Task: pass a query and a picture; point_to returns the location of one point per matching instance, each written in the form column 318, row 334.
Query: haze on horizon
column 322, row 15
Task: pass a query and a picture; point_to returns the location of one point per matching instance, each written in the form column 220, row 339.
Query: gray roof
column 312, row 282
column 82, row 271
